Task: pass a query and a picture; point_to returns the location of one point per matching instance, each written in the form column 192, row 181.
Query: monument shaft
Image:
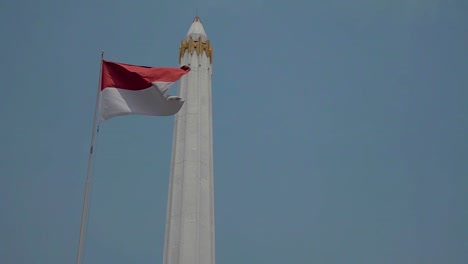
column 190, row 233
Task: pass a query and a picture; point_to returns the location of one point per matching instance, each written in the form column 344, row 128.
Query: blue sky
column 340, row 130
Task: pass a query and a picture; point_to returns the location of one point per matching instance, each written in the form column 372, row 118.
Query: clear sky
column 340, row 130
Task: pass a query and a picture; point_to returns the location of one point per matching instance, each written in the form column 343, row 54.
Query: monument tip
column 196, row 30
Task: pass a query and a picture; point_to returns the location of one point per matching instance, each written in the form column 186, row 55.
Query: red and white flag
column 138, row 90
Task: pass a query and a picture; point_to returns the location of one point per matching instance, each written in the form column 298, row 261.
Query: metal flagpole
column 85, row 200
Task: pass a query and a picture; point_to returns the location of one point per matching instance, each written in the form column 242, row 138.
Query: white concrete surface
column 190, row 227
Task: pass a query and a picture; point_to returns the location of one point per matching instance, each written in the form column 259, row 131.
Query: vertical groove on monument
column 190, row 237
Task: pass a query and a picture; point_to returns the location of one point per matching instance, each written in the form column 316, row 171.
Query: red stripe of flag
column 133, row 77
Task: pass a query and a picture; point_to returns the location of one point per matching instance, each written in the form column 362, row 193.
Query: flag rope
column 88, row 175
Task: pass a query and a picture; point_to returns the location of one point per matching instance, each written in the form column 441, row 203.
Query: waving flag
column 138, row 90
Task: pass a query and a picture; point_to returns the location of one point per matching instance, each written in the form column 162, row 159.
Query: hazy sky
column 340, row 130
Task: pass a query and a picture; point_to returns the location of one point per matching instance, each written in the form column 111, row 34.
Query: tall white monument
column 190, row 227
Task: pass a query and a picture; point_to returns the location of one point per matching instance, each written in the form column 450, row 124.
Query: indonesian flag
column 138, row 90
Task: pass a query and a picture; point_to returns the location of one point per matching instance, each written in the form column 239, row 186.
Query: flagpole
column 88, row 175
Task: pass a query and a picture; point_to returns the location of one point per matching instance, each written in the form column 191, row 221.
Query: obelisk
column 190, row 227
